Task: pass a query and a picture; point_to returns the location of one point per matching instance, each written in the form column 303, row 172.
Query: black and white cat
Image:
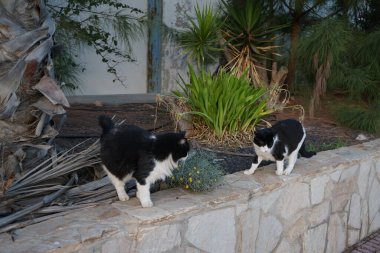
column 283, row 140
column 132, row 152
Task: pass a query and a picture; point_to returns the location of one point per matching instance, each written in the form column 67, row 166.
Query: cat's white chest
column 162, row 169
column 264, row 153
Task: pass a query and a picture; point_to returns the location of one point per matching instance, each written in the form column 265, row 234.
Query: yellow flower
column 181, row 178
column 187, row 187
column 190, row 180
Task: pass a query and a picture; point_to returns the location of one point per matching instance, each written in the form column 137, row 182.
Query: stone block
column 269, row 234
column 286, row 247
column 336, row 238
column 314, row 239
column 158, row 239
column 353, row 237
column 374, row 200
column 319, row 214
column 294, row 199
column 318, row 185
column 213, row 231
column 266, row 201
column 248, row 229
column 355, row 212
column 375, row 223
column 363, row 178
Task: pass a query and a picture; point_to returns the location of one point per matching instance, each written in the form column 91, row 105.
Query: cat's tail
column 305, row 153
column 106, row 123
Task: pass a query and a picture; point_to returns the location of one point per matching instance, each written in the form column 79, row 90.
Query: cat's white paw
column 249, row 172
column 123, row 197
column 279, row 173
column 146, row 203
column 287, row 172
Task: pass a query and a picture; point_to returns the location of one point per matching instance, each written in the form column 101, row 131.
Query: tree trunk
column 29, row 96
column 292, row 63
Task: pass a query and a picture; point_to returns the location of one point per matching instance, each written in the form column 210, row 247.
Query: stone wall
column 328, row 203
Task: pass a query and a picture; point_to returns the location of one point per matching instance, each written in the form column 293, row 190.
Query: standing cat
column 132, row 152
column 283, row 140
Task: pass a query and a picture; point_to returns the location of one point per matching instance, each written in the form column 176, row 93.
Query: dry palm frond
column 46, row 188
column 56, row 166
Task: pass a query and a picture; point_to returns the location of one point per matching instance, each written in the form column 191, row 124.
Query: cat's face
column 182, row 148
column 263, row 139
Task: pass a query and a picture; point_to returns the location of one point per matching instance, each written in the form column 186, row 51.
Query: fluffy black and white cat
column 283, row 140
column 132, row 152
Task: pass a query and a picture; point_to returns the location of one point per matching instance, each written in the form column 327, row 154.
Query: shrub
column 198, row 173
column 224, row 102
column 361, row 118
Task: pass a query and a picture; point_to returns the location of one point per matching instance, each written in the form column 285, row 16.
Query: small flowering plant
column 198, row 173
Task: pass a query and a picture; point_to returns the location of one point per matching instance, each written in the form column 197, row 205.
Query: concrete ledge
column 113, row 99
column 328, row 203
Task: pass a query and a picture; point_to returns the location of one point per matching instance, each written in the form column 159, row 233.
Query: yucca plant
column 224, row 102
column 248, row 39
column 240, row 32
column 200, row 40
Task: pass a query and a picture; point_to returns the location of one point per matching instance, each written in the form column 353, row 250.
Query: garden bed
column 322, row 132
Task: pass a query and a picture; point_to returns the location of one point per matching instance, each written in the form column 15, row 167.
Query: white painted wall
column 174, row 63
column 95, row 80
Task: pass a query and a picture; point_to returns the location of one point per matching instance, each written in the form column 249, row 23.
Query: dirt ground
column 81, row 123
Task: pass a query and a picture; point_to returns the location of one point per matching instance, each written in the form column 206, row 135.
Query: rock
column 294, row 198
column 318, row 189
column 249, row 224
column 269, row 234
column 213, row 231
column 374, row 200
column 315, row 239
column 158, row 239
column 375, row 223
column 266, row 201
column 354, row 215
column 296, row 229
column 361, row 137
column 364, row 170
column 336, row 239
column 353, row 237
column 349, row 173
column 364, row 220
column 286, row 247
column 319, row 214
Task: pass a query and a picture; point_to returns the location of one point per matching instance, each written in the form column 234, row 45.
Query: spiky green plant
column 224, row 102
column 198, row 173
column 200, row 40
column 240, row 32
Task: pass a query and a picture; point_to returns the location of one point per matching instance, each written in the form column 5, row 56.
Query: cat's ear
column 182, row 135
